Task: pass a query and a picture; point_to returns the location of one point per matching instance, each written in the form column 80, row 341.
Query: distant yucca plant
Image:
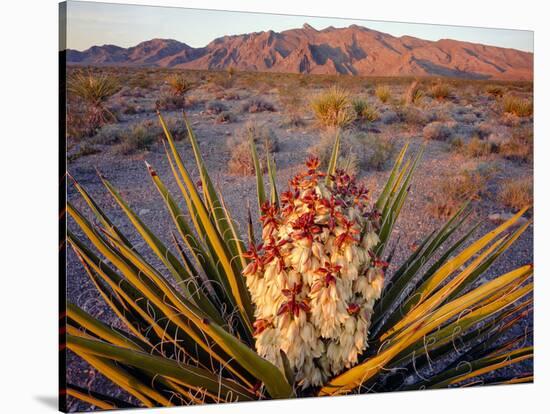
column 517, row 106
column 383, row 93
column 364, row 111
column 332, row 108
column 94, row 90
column 179, row 86
column 414, row 93
column 304, row 298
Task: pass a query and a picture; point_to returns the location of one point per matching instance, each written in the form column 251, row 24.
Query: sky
column 90, row 24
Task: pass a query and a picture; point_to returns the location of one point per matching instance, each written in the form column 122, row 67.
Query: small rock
column 144, row 211
column 499, row 218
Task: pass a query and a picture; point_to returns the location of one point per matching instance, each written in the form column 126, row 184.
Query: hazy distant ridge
column 353, row 50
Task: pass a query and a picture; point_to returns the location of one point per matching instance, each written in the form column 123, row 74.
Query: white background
column 29, row 185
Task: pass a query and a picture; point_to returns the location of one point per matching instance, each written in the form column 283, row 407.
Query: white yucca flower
column 314, row 279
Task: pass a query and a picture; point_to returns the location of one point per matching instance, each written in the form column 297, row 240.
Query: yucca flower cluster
column 314, row 279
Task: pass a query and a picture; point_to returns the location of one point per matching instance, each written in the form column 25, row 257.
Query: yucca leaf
column 382, row 199
column 221, row 215
column 333, row 157
column 233, row 280
column 259, row 175
column 99, row 400
column 271, row 172
column 365, row 371
column 476, row 368
column 186, row 374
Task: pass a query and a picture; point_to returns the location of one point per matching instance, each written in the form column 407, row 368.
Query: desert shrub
column 482, row 130
column 215, row 107
column 509, row 119
column 225, row 117
column 516, row 194
column 518, row 106
column 84, row 148
column 256, row 105
column 412, row 116
column 351, row 154
column 169, row 102
column 437, row 131
column 332, row 108
column 494, row 90
column 414, row 93
column 519, row 147
column 94, row 91
column 440, row 91
column 383, row 93
column 379, row 151
column 142, row 81
column 454, row 189
column 138, row 138
column 292, row 103
column 240, row 161
column 479, row 148
column 129, row 109
column 364, row 111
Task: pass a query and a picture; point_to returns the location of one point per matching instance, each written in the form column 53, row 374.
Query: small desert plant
column 518, row 106
column 241, row 160
column 215, row 107
column 440, row 91
column 179, row 85
column 516, row 193
column 494, row 90
column 351, row 145
column 519, row 147
column 383, row 93
column 476, row 148
column 364, row 111
column 84, row 148
column 256, row 105
column 437, row 131
column 332, row 108
column 453, row 190
column 292, row 102
column 94, row 91
column 414, row 93
column 270, row 314
column 137, row 138
column 379, row 151
column 225, row 117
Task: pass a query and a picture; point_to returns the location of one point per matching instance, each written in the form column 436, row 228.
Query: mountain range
column 353, row 50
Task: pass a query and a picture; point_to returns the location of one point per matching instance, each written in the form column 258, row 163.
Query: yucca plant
column 94, row 90
column 308, row 310
column 332, row 108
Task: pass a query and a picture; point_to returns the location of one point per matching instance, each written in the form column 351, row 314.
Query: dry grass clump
column 85, row 148
column 364, row 111
column 494, row 90
column 414, row 93
column 476, row 148
column 138, row 138
column 256, row 105
column 440, row 91
column 436, row 131
column 383, row 93
column 519, row 147
column 454, row 189
column 215, row 107
column 518, row 106
column 332, row 108
column 411, row 116
column 240, row 161
column 516, row 194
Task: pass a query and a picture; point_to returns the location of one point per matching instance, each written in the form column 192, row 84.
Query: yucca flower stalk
column 214, row 323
